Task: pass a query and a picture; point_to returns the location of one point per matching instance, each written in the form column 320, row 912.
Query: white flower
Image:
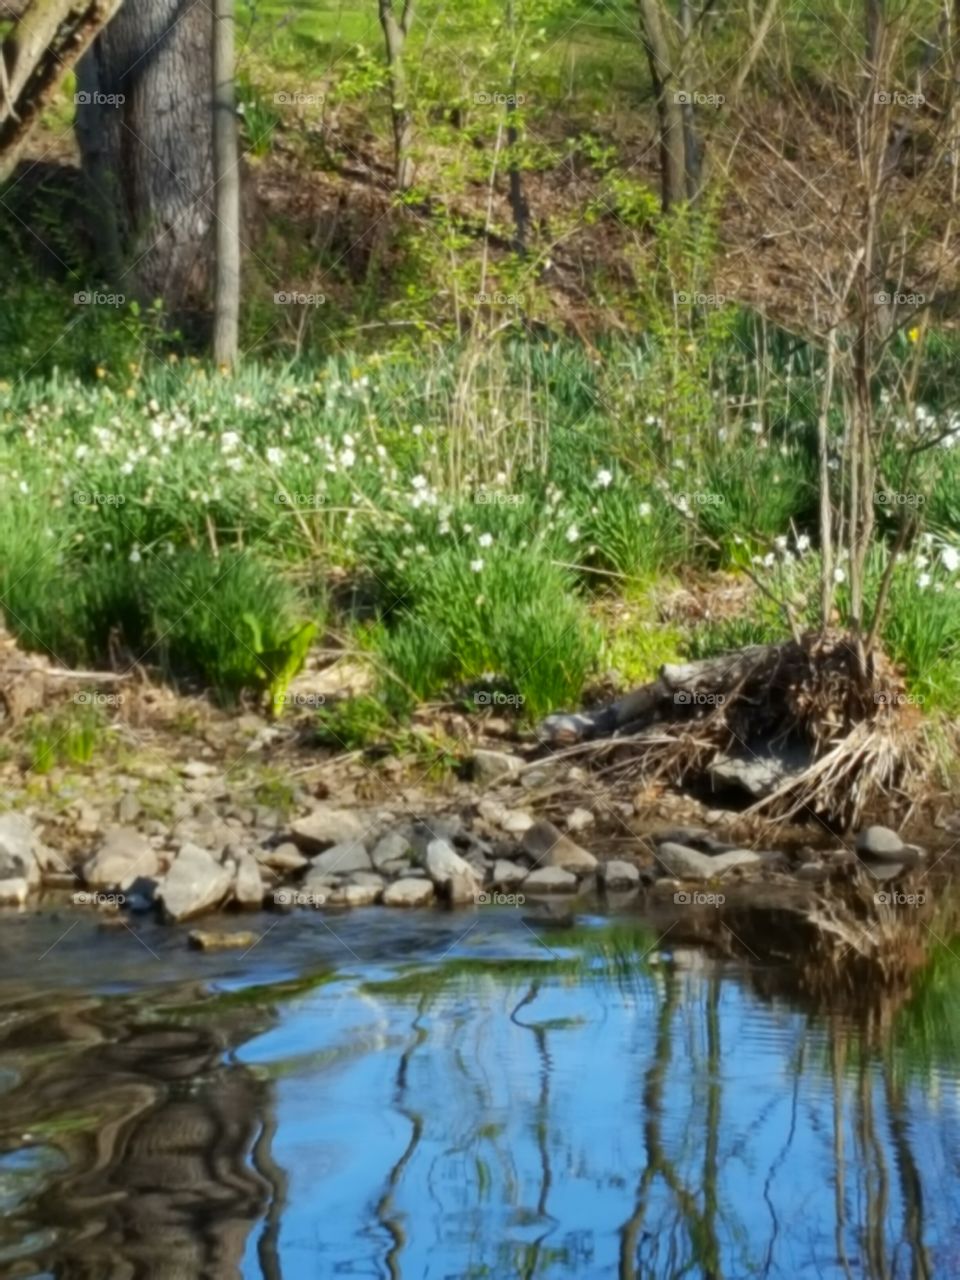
column 950, row 557
column 573, row 533
column 348, row 457
column 839, row 575
column 604, row 478
column 417, row 429
column 803, row 543
column 419, row 482
column 923, row 581
column 485, row 540
column 769, row 560
column 274, row 456
column 780, row 543
column 468, row 528
column 644, row 510
column 135, row 556
column 921, row 562
column 24, row 487
column 476, row 565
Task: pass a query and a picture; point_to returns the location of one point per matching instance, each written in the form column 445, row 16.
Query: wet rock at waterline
column 689, row 864
column 550, row 880
column 327, row 825
column 20, row 871
column 195, row 883
column 215, row 940
column 452, row 875
column 342, row 858
column 123, row 857
column 409, row 892
column 617, row 875
column 248, row 883
column 353, row 895
column 508, row 875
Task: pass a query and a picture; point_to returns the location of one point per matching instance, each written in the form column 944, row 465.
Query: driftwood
column 849, row 735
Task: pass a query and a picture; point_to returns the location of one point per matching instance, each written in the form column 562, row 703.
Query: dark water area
column 461, row 1095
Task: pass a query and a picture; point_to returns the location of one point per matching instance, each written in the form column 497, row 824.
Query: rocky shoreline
column 489, row 847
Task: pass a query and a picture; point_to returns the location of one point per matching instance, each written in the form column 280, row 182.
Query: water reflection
column 590, row 1107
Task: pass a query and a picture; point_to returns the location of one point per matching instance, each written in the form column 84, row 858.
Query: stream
column 485, row 1094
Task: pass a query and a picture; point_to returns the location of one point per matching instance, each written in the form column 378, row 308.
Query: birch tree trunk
column 226, row 311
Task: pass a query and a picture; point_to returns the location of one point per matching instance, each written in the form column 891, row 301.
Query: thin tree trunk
column 395, row 33
column 226, row 164
column 673, row 162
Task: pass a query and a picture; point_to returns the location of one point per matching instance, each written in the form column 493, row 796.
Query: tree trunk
column 146, row 145
column 226, row 311
column 395, row 33
column 670, row 121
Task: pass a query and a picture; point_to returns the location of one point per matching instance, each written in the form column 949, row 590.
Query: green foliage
column 69, row 736
column 352, row 724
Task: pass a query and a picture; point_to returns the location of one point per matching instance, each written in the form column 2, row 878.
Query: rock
column 367, row 878
column 548, row 847
column 208, row 940
column 516, row 822
column 123, row 857
column 811, row 871
column 343, row 858
column 507, row 875
column 285, row 857
column 399, row 868
column 722, row 862
column 195, row 883
column 683, row 862
column 617, row 874
column 197, row 769
column 327, row 825
column 690, row 837
column 881, row 844
column 579, row 820
column 354, row 895
column 13, row 891
column 16, row 846
column 550, row 880
column 394, row 847
column 248, row 884
column 128, row 808
column 493, row 766
column 408, row 892
column 450, row 873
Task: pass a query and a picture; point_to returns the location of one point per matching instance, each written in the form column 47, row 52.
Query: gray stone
column 353, row 895
column 516, row 822
column 684, row 863
column 722, row 862
column 342, row 858
column 550, row 880
column 285, row 857
column 689, row 837
column 123, row 857
column 195, row 883
column 198, row 769
column 328, row 825
column 811, row 871
column 451, row 874
column 548, row 847
column 208, row 940
column 494, row 766
column 16, row 841
column 881, row 844
column 399, row 868
column 759, row 773
column 393, row 847
column 617, row 874
column 369, row 879
column 248, row 885
column 409, row 892
column 508, row 874
column 128, row 809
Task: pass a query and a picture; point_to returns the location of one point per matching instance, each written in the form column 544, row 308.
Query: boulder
column 248, row 883
column 13, row 891
column 123, row 857
column 880, row 844
column 508, row 875
column 285, row 857
column 343, row 858
column 17, row 844
column 209, row 940
column 550, row 880
column 548, row 847
column 617, row 874
column 327, row 825
column 451, row 874
column 683, row 862
column 408, row 892
column 393, row 847
column 196, row 882
column 761, row 772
